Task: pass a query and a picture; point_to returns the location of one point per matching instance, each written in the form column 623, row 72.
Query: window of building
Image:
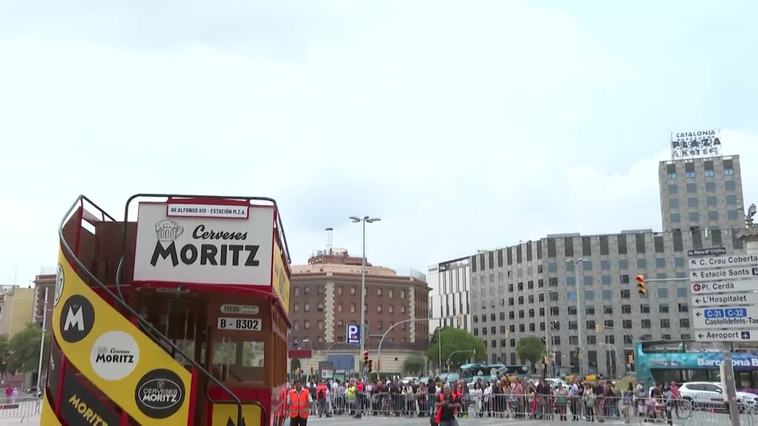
column 623, row 264
column 627, row 323
column 713, row 216
column 673, row 189
column 731, row 215
column 555, row 311
column 608, row 323
column 626, row 309
column 607, row 295
column 730, row 185
column 306, row 307
column 665, row 323
column 691, row 188
column 572, row 325
column 591, row 340
column 673, row 204
column 571, row 310
column 608, row 309
column 728, row 172
column 683, row 307
column 621, row 244
column 573, row 340
column 568, row 247
column 663, row 308
column 663, row 292
column 693, row 217
column 307, row 324
column 521, row 328
column 641, row 263
column 628, row 339
column 644, row 309
column 684, row 323
column 625, row 294
column 378, row 308
column 645, row 323
column 603, row 245
column 589, row 310
column 352, row 291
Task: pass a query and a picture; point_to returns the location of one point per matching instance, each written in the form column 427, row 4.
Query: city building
column 450, row 283
column 555, row 285
column 43, row 284
column 15, row 309
column 326, row 299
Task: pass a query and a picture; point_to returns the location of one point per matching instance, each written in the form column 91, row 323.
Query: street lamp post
column 363, row 221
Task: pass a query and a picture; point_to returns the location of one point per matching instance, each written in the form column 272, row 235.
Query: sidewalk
column 17, row 422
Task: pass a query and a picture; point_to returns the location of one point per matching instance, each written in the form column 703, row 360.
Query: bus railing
column 112, row 298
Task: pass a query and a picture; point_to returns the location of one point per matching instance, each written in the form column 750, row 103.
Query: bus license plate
column 244, row 324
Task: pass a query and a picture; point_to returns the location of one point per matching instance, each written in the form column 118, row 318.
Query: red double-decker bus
column 176, row 314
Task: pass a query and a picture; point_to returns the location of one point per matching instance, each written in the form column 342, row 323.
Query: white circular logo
column 114, row 355
column 59, row 278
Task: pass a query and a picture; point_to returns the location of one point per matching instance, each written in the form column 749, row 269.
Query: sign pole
column 729, row 384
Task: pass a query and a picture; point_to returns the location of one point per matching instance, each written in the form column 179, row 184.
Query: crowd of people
column 506, row 397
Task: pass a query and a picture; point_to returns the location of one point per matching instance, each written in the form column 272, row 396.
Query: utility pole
column 42, row 343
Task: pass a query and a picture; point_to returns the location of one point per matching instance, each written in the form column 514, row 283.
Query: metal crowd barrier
column 21, row 407
column 547, row 408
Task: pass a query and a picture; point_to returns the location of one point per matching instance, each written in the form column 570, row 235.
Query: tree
column 530, row 348
column 457, row 344
column 414, row 364
column 24, row 350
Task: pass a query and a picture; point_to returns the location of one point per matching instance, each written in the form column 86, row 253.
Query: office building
column 552, row 286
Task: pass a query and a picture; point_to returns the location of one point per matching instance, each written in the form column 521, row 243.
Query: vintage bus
column 689, row 361
column 177, row 316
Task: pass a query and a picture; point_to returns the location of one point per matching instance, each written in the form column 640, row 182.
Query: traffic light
column 370, row 365
column 365, row 358
column 641, row 289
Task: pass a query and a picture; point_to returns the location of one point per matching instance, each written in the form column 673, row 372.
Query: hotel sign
column 697, row 144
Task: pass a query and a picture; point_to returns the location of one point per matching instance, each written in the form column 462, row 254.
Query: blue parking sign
column 353, row 334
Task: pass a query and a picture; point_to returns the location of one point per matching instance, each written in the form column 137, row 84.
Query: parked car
column 711, row 393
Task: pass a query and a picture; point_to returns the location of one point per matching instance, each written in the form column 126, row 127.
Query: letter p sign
column 353, row 334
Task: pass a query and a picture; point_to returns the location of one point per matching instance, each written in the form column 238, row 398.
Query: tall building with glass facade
column 551, row 286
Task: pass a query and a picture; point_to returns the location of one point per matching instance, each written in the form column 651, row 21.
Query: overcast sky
column 463, row 125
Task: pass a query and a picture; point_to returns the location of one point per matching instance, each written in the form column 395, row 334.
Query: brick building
column 326, row 299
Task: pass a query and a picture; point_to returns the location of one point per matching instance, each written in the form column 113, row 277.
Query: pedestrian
column 321, row 396
column 589, row 403
column 299, row 401
column 360, row 397
column 447, row 406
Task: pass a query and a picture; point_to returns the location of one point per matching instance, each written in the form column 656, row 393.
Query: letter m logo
column 74, row 319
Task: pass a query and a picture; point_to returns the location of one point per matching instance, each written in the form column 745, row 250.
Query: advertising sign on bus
column 203, row 250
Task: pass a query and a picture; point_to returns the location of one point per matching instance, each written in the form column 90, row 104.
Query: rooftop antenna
column 329, row 239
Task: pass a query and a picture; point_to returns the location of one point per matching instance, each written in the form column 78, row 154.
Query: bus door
column 184, row 320
column 240, row 342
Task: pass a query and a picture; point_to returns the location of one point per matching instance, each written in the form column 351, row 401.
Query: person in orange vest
column 299, row 402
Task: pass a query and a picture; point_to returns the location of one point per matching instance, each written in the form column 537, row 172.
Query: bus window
column 239, row 360
column 253, row 354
